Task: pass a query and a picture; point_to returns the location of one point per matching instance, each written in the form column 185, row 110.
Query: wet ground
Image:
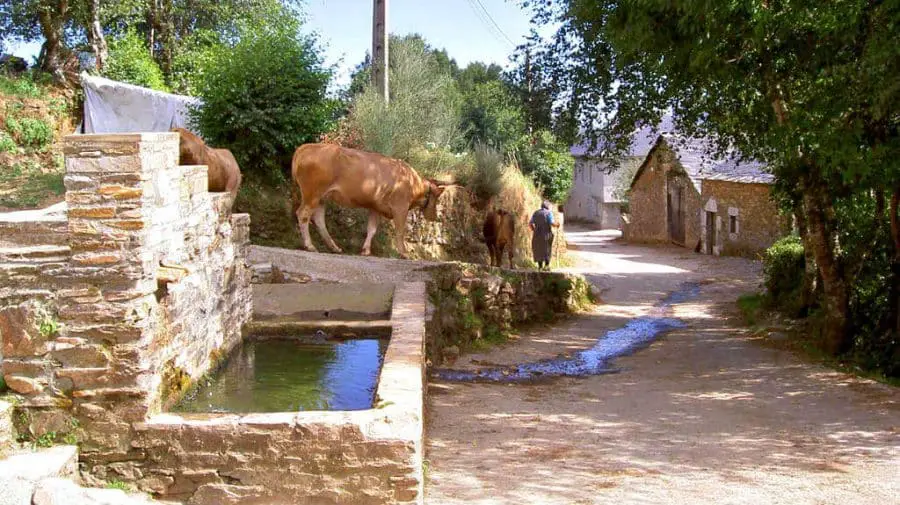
column 699, row 414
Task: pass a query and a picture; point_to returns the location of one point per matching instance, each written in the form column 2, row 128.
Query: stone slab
column 59, row 461
column 322, row 301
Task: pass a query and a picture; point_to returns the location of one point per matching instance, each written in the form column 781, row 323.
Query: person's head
column 545, row 205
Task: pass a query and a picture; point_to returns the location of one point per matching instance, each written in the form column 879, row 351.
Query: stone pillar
column 122, row 203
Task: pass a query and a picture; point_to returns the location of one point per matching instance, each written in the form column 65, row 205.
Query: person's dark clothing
column 542, row 238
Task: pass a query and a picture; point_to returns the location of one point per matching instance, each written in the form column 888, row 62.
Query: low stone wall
column 366, row 457
column 144, row 291
column 472, row 303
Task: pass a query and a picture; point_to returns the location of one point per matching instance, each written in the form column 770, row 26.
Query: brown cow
column 224, row 174
column 385, row 186
column 499, row 232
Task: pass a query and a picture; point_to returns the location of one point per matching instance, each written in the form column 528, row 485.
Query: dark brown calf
column 499, row 233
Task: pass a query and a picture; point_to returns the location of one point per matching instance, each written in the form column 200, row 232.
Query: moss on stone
column 175, row 383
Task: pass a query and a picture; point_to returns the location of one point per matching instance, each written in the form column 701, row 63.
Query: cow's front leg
column 512, row 251
column 371, row 228
column 319, row 218
column 400, row 231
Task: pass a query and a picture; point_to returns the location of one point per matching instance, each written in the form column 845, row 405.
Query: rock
column 450, row 354
column 23, row 385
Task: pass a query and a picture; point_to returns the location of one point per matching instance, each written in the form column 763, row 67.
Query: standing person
column 541, row 225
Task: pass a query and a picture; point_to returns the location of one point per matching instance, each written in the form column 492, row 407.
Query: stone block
column 91, row 212
column 24, row 385
column 26, row 329
column 84, row 356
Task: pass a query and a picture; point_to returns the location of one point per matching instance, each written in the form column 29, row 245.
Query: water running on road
column 636, row 334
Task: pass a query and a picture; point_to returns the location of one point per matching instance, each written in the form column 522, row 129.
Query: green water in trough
column 285, row 375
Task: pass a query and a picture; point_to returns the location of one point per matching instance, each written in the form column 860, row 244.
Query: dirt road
column 703, row 416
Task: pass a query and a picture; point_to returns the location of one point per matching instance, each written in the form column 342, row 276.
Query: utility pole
column 380, row 48
column 529, row 92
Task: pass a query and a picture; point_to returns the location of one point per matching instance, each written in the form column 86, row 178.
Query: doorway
column 710, row 232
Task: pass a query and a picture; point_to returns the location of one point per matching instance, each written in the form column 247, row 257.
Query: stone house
column 598, row 194
column 683, row 195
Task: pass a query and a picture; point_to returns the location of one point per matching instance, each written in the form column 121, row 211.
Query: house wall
column 758, row 223
column 647, row 213
column 592, row 197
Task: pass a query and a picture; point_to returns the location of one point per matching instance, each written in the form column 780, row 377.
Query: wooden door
column 710, row 232
column 675, row 212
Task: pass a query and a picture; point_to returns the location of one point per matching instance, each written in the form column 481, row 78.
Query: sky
column 459, row 26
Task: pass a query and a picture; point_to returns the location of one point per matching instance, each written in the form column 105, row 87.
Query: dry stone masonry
column 145, row 288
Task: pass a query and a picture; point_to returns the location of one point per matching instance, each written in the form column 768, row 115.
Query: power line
column 488, row 14
column 488, row 22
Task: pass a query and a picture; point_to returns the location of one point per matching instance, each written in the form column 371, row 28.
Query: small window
column 732, row 221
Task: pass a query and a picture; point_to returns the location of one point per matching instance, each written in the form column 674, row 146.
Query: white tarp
column 117, row 107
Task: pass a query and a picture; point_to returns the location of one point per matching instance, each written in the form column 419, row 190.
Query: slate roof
column 695, row 156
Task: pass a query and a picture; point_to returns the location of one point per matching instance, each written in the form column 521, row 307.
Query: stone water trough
column 137, row 293
column 367, row 456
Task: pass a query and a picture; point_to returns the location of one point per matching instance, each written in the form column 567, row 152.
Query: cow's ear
column 438, row 190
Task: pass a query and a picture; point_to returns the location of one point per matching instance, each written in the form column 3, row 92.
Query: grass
column 802, row 338
column 29, row 85
column 117, row 484
column 29, row 188
column 752, row 308
column 3, row 387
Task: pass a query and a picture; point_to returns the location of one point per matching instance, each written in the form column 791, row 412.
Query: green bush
column 264, row 97
column 783, row 268
column 548, row 162
column 7, row 144
column 130, row 61
column 31, row 133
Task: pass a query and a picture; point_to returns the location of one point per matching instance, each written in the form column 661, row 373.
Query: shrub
column 31, row 133
column 130, row 61
column 36, row 133
column 783, row 267
column 423, row 108
column 487, row 180
column 264, row 97
column 7, row 144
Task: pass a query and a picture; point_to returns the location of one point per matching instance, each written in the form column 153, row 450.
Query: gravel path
column 702, row 416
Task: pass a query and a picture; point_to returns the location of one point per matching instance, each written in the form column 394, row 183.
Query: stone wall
column 757, row 222
column 470, row 303
column 148, row 289
column 647, row 219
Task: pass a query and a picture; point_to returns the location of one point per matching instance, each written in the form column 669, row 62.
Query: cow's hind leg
column 371, row 228
column 512, row 250
column 304, row 213
column 319, row 218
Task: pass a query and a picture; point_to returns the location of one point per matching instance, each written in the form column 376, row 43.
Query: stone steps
column 21, row 473
column 66, row 492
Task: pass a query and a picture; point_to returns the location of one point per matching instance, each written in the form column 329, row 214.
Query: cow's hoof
column 311, row 249
column 365, row 253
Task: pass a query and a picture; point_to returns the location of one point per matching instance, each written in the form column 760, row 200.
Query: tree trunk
column 835, row 287
column 96, row 38
column 894, row 294
column 810, row 272
column 52, row 21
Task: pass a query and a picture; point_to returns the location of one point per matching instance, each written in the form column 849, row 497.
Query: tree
column 130, row 61
column 491, row 115
column 263, row 108
column 808, row 87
